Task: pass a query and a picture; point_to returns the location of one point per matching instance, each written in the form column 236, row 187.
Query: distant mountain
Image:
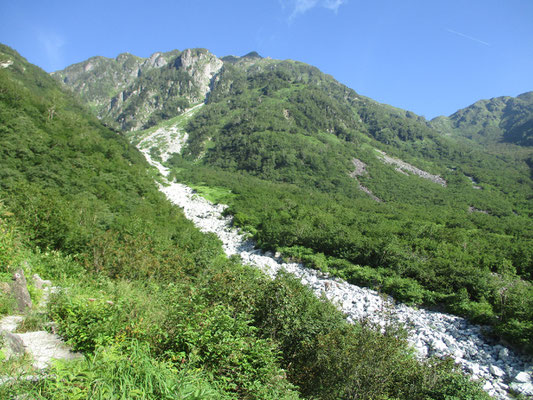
column 286, row 121
column 131, row 92
column 498, row 120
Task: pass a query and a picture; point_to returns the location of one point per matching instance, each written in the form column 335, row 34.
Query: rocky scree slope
column 430, row 333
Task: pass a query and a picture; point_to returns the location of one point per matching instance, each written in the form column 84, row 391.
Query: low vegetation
column 281, row 137
column 152, row 303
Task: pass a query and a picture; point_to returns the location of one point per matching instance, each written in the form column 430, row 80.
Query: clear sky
column 428, row 56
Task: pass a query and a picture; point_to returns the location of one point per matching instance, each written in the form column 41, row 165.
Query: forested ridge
column 151, row 302
column 499, row 120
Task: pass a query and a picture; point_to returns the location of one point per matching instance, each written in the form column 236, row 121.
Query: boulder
column 439, row 346
column 522, row 377
column 14, row 346
column 19, row 288
column 503, row 354
column 496, row 371
column 39, row 282
column 525, row 389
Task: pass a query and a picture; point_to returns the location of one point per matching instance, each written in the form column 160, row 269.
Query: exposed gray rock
column 360, row 168
column 438, row 346
column 522, row 377
column 496, row 371
column 202, row 66
column 525, row 389
column 45, row 347
column 369, row 192
column 405, row 168
column 13, row 345
column 42, row 346
column 40, row 283
column 19, row 288
column 10, row 323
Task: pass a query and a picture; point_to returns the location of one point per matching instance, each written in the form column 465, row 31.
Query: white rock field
column 430, row 333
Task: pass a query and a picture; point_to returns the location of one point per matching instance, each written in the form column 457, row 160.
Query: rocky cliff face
column 131, row 92
column 99, row 78
column 201, row 66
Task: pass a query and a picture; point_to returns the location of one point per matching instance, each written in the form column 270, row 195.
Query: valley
column 430, row 333
column 349, row 248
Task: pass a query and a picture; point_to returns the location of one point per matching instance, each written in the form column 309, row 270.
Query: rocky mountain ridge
column 131, row 92
column 502, row 119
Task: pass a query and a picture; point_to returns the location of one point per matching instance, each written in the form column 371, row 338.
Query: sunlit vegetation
column 151, row 302
column 281, row 136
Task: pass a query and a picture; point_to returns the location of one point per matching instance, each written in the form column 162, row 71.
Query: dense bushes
column 239, row 343
column 221, row 331
column 156, row 309
column 416, row 253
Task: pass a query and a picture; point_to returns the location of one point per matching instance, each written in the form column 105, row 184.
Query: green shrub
column 405, row 290
column 124, row 372
column 88, row 322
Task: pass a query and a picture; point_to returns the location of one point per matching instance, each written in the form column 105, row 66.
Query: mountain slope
column 498, row 120
column 157, row 310
column 366, row 191
column 76, row 185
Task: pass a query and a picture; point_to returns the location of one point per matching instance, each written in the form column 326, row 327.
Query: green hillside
column 148, row 299
column 498, row 120
column 283, row 137
column 366, row 191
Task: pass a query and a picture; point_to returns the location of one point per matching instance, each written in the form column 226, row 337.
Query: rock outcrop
column 19, row 289
column 201, row 65
column 406, row 168
column 43, row 347
column 133, row 93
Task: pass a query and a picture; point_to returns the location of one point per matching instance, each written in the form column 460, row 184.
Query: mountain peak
column 252, row 54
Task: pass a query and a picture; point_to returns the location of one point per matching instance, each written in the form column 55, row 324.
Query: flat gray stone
column 39, row 282
column 523, row 388
column 496, row 371
column 45, row 347
column 10, row 323
column 522, row 377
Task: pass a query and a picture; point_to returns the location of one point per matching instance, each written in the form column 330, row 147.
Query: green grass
column 215, row 194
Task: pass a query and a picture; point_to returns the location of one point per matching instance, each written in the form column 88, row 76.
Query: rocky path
column 43, row 347
column 430, row 333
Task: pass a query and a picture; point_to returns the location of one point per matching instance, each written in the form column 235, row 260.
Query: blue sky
column 428, row 56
